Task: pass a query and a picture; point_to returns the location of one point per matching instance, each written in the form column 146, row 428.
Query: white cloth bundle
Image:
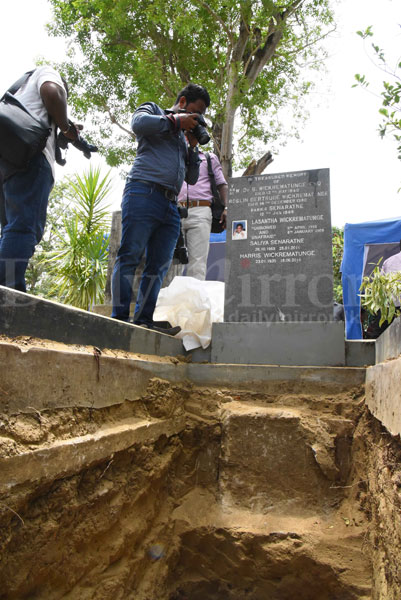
column 193, row 305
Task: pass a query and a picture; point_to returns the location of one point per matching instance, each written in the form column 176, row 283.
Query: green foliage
column 78, row 263
column 390, row 94
column 338, row 250
column 250, row 54
column 379, row 292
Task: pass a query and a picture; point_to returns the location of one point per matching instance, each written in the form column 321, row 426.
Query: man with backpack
column 42, row 94
column 199, row 199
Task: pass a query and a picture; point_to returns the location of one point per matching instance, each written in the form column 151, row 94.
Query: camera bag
column 217, row 205
column 22, row 135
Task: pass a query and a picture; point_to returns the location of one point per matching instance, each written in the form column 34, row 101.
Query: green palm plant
column 90, row 193
column 78, row 263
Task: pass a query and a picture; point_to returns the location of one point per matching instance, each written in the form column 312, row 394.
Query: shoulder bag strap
column 20, row 82
column 17, row 85
column 215, row 191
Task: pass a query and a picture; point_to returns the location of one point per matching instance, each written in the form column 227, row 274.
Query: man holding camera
column 150, row 216
column 26, row 191
column 196, row 227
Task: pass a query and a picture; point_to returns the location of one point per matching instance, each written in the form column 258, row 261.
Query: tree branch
column 291, row 8
column 115, row 122
column 312, row 43
column 216, row 16
column 118, row 41
column 239, row 48
column 263, row 55
column 272, row 40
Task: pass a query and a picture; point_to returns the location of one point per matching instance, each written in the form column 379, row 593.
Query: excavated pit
column 189, row 492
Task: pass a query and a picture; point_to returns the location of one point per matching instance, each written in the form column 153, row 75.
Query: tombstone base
column 306, row 344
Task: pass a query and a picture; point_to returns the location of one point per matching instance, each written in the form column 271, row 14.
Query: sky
column 341, row 132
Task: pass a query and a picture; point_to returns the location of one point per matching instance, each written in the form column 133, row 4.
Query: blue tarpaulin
column 216, row 258
column 216, row 238
column 357, row 236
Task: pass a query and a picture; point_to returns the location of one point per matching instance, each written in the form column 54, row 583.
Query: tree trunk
column 262, row 56
column 216, row 135
column 257, row 167
column 228, row 125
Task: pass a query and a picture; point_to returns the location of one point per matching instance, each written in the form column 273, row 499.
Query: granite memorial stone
column 279, row 248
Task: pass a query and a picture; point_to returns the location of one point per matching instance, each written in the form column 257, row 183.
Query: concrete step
column 24, row 314
column 286, row 344
column 65, row 376
column 69, row 456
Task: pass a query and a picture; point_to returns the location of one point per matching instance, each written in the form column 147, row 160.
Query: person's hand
column 73, row 131
column 223, row 219
column 188, row 121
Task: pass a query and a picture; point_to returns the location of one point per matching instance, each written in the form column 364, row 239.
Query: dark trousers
column 3, row 220
column 150, row 224
column 26, row 196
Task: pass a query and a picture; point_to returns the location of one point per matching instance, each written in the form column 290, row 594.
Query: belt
column 169, row 194
column 192, row 203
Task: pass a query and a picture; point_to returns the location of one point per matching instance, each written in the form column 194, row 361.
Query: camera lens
column 200, row 131
column 201, row 135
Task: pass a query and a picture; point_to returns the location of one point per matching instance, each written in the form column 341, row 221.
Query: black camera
column 182, row 211
column 80, row 144
column 181, row 251
column 199, row 131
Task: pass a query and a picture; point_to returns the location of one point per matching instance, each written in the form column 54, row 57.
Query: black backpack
column 217, row 205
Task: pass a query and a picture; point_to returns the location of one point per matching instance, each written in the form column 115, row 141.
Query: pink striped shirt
column 202, row 190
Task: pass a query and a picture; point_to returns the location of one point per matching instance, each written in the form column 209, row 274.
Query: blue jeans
column 149, row 222
column 25, row 201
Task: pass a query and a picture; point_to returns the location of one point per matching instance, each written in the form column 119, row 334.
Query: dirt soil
column 276, row 495
column 377, row 470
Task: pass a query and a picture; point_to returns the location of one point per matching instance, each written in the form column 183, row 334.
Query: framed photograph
column 240, row 229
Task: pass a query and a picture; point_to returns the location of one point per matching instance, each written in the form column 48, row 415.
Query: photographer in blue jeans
column 150, row 217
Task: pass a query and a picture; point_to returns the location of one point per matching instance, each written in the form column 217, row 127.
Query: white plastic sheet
column 193, row 305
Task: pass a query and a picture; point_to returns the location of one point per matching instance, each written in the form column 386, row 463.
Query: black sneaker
column 163, row 324
column 161, row 327
column 167, row 330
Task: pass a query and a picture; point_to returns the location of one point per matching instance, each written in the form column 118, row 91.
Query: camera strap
column 187, row 198
column 217, row 205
